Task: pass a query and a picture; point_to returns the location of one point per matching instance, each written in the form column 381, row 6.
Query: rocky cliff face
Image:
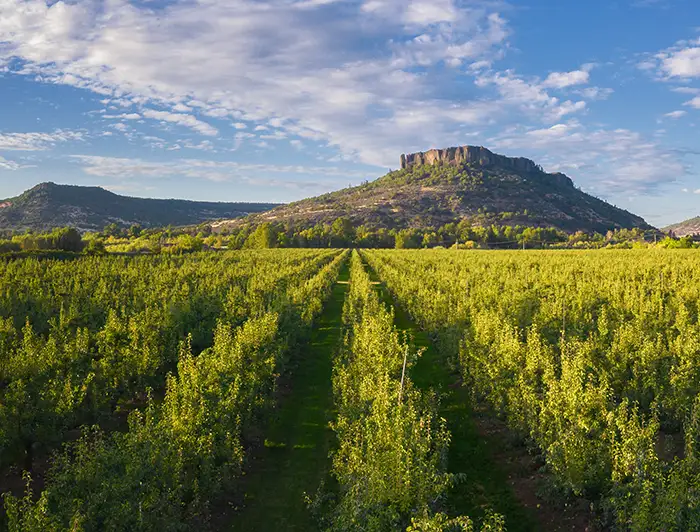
column 469, row 154
column 481, row 156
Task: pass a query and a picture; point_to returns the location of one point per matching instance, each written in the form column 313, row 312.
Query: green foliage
column 48, row 205
column 264, row 236
column 227, row 322
column 390, row 462
column 431, row 175
column 590, row 356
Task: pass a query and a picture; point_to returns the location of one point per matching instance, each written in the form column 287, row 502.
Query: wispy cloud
column 185, row 120
column 695, row 102
column 370, row 78
column 123, row 168
column 560, row 80
column 675, row 114
column 610, row 161
column 6, row 164
column 678, row 62
column 37, row 141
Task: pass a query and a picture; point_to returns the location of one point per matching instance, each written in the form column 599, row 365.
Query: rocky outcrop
column 469, row 154
column 478, row 155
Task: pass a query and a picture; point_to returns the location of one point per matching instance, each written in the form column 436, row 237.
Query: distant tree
column 186, row 244
column 430, row 239
column 67, row 239
column 135, row 231
column 112, row 230
column 406, row 239
column 263, row 237
column 342, row 232
column 94, row 246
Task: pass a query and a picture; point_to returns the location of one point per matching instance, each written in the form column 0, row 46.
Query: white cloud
column 529, row 96
column 413, row 12
column 182, row 120
column 609, row 161
column 239, row 125
column 695, row 102
column 341, row 73
column 680, row 61
column 124, row 116
column 686, row 90
column 37, row 141
column 219, row 171
column 595, row 93
column 675, row 114
column 6, row 164
column 683, row 63
column 560, row 80
column 205, row 145
column 374, row 78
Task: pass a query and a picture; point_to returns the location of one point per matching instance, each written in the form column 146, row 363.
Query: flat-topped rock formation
column 478, row 155
column 469, row 154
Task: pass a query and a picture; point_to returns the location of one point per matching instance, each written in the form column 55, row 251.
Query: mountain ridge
column 471, row 183
column 91, row 208
column 689, row 227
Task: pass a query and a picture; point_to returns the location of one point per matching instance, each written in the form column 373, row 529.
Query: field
column 352, row 391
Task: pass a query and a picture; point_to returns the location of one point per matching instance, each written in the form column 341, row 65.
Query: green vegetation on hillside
column 430, row 196
column 93, row 208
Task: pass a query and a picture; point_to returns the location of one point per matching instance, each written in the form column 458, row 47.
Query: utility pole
column 403, row 372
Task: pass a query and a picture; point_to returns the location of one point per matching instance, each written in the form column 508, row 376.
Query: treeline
column 60, row 239
column 341, row 233
column 462, row 234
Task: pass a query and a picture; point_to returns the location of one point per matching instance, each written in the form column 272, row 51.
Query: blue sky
column 243, row 100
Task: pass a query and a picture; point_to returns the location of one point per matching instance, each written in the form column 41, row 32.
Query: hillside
column 689, row 227
column 49, row 205
column 441, row 186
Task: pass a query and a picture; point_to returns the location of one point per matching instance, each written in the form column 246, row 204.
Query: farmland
column 342, row 390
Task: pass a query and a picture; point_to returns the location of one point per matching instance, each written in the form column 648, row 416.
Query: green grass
column 486, row 485
column 295, row 458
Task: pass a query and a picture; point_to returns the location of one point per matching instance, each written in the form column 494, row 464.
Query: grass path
column 486, row 485
column 295, row 458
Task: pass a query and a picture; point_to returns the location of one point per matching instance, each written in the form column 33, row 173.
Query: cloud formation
column 132, row 168
column 560, row 80
column 6, row 164
column 681, row 61
column 368, row 78
column 350, row 74
column 36, row 141
column 613, row 161
column 185, row 120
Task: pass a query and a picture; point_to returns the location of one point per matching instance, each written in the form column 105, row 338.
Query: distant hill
column 49, row 205
column 689, row 227
column 441, row 186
